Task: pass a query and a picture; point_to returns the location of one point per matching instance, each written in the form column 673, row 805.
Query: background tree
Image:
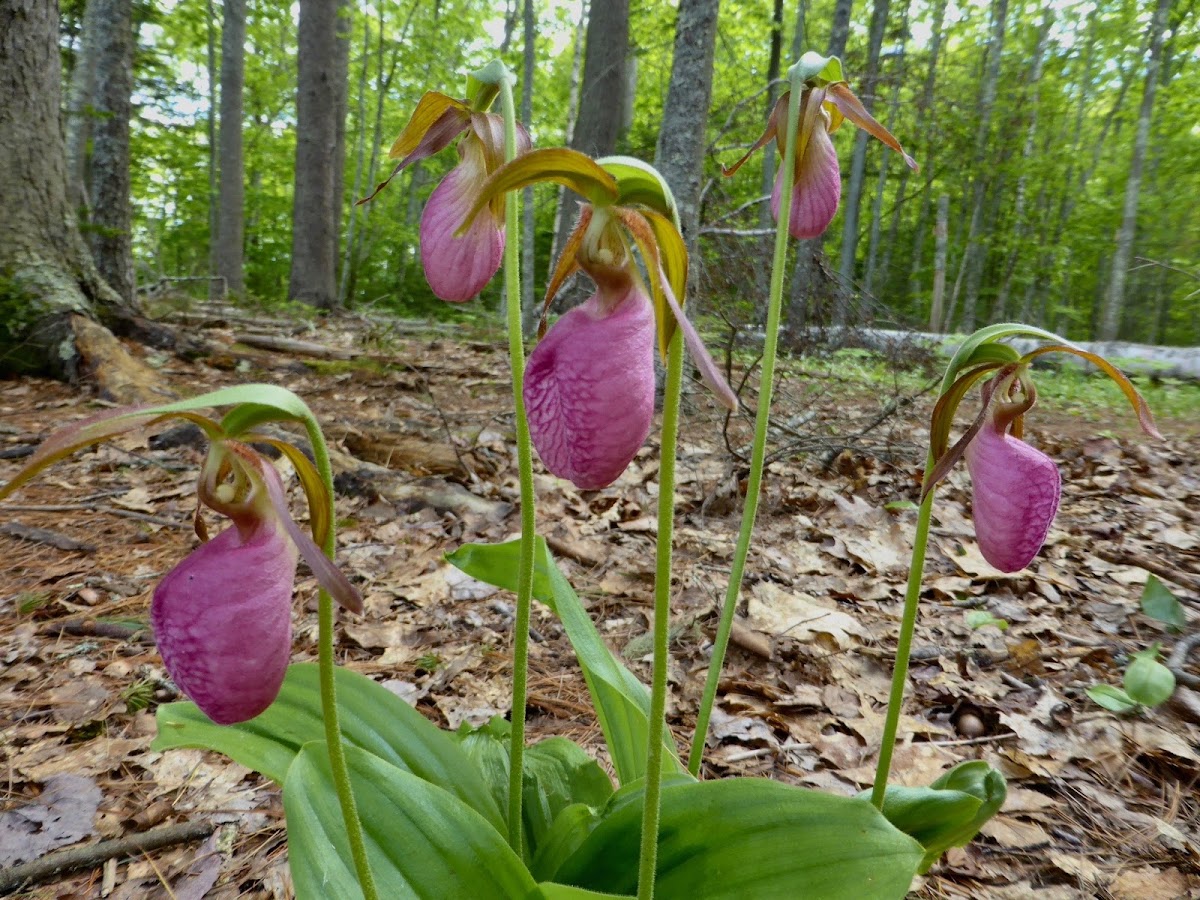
column 1114, row 298
column 50, row 291
column 232, row 194
column 316, row 211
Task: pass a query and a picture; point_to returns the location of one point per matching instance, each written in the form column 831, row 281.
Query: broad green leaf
column 948, row 813
column 981, row 618
column 622, row 702
column 558, row 774
column 738, row 838
column 1112, row 698
column 422, row 841
column 549, row 891
column 1147, row 681
column 1163, row 606
column 372, row 717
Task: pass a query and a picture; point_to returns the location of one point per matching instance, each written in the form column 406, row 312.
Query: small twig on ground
column 54, row 539
column 92, row 628
column 1157, row 567
column 70, row 860
column 1178, row 659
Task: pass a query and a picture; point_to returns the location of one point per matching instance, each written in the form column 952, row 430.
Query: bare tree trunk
column 940, row 231
column 80, row 112
column 858, row 160
column 232, row 192
column 345, row 21
column 1114, row 299
column 602, row 97
column 972, row 264
column 215, row 288
column 110, row 236
column 925, row 150
column 360, row 153
column 679, row 155
column 315, row 210
column 1000, row 309
column 50, row 291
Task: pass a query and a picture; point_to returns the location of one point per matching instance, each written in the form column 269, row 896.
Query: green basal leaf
column 640, row 184
column 1147, row 681
column 622, row 702
column 1112, row 698
column 817, row 69
column 738, row 838
column 422, row 841
column 1161, row 605
column 558, row 774
column 948, row 813
column 372, row 718
column 548, row 891
column 981, row 618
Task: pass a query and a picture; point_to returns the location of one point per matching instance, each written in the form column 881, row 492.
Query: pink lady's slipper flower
column 1016, row 487
column 817, row 182
column 589, row 384
column 223, row 617
column 457, row 266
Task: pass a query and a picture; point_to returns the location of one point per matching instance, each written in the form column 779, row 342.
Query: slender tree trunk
column 940, row 231
column 111, row 233
column 925, row 150
column 972, row 263
column 345, row 22
column 215, row 288
column 360, row 154
column 681, row 138
column 1114, row 299
column 1000, row 309
column 232, row 192
column 50, row 291
column 858, row 160
column 315, row 209
column 602, row 95
column 80, row 112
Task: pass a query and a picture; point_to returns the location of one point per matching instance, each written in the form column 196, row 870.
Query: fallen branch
column 62, row 861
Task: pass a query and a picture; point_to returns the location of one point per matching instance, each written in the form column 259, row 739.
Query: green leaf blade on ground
column 421, row 840
column 372, row 718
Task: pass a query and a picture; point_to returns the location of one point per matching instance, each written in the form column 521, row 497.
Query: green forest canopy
column 1054, row 248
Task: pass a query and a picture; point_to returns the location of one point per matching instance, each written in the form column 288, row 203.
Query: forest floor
column 1099, row 805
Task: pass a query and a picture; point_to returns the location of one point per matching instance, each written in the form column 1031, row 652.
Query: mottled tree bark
column 110, row 235
column 679, row 156
column 80, row 113
column 314, row 212
column 231, row 191
column 602, row 96
column 50, row 291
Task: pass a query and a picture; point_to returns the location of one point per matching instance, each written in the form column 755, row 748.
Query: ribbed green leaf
column 421, row 841
column 372, row 717
column 739, row 838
